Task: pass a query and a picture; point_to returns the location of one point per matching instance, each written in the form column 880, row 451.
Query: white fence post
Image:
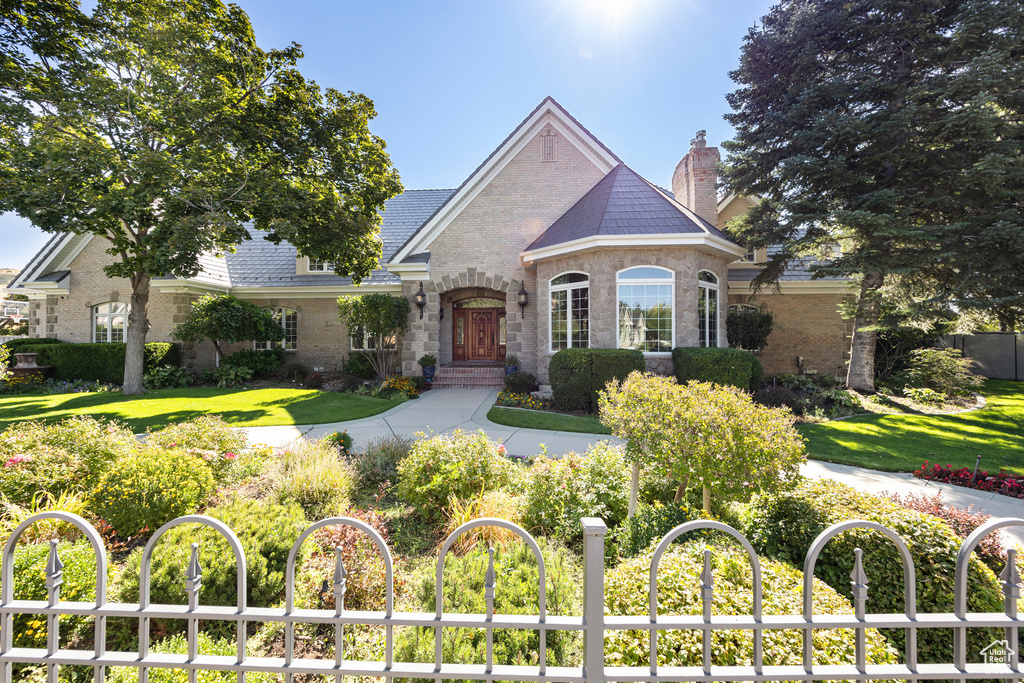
column 594, row 530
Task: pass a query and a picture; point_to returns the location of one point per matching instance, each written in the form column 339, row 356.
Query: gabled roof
column 548, row 111
column 623, row 203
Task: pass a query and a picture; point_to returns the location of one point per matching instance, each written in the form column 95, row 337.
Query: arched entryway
column 479, row 330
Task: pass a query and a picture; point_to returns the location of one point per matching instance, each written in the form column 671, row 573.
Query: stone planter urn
column 26, row 366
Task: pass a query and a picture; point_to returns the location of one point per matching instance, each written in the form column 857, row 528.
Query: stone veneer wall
column 808, row 325
column 602, row 265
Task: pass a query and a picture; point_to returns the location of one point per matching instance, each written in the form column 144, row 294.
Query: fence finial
column 194, row 575
column 858, row 579
column 54, row 568
column 339, row 579
column 489, row 583
column 707, row 580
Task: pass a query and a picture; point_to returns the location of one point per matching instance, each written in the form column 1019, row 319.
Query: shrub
column 46, row 529
column 266, row 531
column 511, row 360
column 312, row 474
column 516, row 572
column 520, row 382
column 229, row 376
column 225, row 318
column 178, row 645
column 342, row 441
column 943, row 370
column 16, row 345
column 459, row 465
column 749, row 327
column 168, row 376
column 577, row 375
column 499, row 504
column 962, row 521
column 70, row 455
column 364, row 566
column 206, row 436
column 924, row 395
column 314, row 381
column 76, row 386
column 779, row 396
column 626, row 592
column 360, row 365
column 728, row 367
column 648, row 525
column 508, row 399
column 427, row 360
column 79, row 585
column 293, row 371
column 149, row 488
column 561, row 491
column 5, row 361
column 102, row 362
column 378, row 463
column 893, row 347
column 262, row 363
column 394, row 387
column 784, row 526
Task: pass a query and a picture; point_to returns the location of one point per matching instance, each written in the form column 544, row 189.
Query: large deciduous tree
column 380, row 320
column 891, row 129
column 161, row 126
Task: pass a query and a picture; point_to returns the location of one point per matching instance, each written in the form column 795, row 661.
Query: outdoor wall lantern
column 421, row 300
column 522, row 298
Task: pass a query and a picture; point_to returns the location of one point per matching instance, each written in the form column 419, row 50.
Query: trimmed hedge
column 261, row 363
column 784, row 526
column 576, row 375
column 734, row 367
column 18, row 345
column 102, row 362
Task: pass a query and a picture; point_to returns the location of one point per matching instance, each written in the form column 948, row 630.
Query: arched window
column 109, row 321
column 707, row 307
column 570, row 311
column 645, row 319
column 289, row 320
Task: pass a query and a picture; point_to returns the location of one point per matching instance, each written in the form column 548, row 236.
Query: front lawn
column 900, row 443
column 556, row 422
column 239, row 407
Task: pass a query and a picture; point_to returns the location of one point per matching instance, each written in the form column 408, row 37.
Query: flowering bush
column 1003, row 482
column 561, row 491
column 149, row 488
column 21, row 385
column 513, row 400
column 342, row 439
column 460, row 465
column 208, row 437
column 393, row 386
column 312, row 474
column 77, row 386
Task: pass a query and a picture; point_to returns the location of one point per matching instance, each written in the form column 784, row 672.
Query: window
column 318, row 266
column 707, row 307
column 646, row 322
column 570, row 311
column 749, row 257
column 289, row 320
column 109, row 321
column 359, row 340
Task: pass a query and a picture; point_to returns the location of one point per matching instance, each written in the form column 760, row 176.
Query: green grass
column 900, row 443
column 556, row 422
column 239, row 407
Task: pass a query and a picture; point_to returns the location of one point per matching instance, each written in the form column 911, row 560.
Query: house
column 552, row 242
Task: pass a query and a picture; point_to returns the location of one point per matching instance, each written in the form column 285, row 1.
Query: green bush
column 266, row 531
column 460, row 465
column 70, row 455
column 576, row 375
column 262, row 363
column 16, row 345
column 230, row 375
column 749, row 327
column 893, row 347
column 516, row 572
column 648, row 525
column 178, row 645
column 313, row 475
column 559, row 492
column 206, row 436
column 627, row 592
column 360, row 365
column 378, row 463
column 733, row 367
column 168, row 377
column 520, row 382
column 102, row 362
column 943, row 370
column 149, row 488
column 29, row 584
column 784, row 526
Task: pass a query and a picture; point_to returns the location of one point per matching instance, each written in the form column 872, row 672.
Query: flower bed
column 1002, row 482
column 508, row 399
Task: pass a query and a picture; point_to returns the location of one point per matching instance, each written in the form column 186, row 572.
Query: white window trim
column 568, row 308
column 393, row 346
column 672, row 297
column 702, row 315
column 270, row 346
column 325, row 267
column 108, row 315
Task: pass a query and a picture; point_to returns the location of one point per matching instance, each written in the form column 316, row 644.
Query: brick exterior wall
column 807, row 325
column 694, row 182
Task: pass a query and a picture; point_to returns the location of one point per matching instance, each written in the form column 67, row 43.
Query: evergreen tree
column 887, row 132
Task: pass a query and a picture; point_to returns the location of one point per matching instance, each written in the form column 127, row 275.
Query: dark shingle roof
column 404, row 214
column 797, row 270
column 623, row 203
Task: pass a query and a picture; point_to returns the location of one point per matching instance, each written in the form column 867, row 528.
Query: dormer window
column 318, row 266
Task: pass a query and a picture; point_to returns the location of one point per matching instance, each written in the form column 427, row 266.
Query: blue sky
column 451, row 78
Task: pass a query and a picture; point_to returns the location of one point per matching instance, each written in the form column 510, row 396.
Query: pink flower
column 14, row 460
column 110, row 430
column 172, row 445
column 230, row 456
column 501, row 449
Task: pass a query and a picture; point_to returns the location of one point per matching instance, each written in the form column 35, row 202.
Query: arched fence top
column 489, row 521
column 962, row 558
column 93, row 536
column 378, row 541
column 811, row 560
column 697, row 525
column 219, row 526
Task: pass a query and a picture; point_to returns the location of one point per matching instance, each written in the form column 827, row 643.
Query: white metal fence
column 593, row 624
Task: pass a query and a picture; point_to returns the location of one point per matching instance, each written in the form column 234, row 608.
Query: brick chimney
column 694, row 180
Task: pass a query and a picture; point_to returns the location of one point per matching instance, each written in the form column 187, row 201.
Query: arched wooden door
column 475, row 334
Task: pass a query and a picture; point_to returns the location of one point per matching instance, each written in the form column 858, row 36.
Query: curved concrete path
column 445, row 410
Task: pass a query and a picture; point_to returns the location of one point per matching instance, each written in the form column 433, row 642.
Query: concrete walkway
column 443, row 411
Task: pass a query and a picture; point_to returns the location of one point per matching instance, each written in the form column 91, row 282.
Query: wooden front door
column 475, row 334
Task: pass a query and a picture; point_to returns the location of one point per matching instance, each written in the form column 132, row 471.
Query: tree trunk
column 138, row 328
column 707, row 500
column 681, row 490
column 634, row 489
column 861, row 376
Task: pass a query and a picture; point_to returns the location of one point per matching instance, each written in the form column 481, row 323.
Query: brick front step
column 469, row 377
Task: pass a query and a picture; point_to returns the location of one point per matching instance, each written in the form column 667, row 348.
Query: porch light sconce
column 421, row 300
column 522, row 298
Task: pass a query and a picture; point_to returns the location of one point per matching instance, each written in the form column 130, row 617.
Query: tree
column 748, row 327
column 703, row 433
column 886, row 133
column 225, row 318
column 380, row 319
column 163, row 127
